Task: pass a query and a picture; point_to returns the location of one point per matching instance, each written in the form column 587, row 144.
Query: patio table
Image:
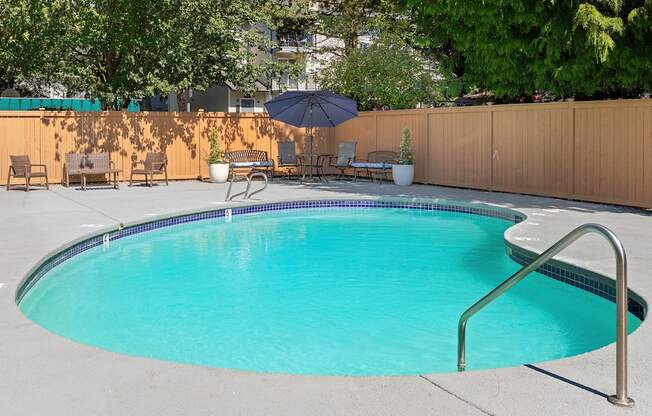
column 312, row 166
column 101, row 171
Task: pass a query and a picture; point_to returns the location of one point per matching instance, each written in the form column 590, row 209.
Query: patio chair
column 21, row 167
column 154, row 164
column 345, row 156
column 377, row 161
column 287, row 157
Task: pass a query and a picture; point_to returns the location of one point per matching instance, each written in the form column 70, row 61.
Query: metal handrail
column 620, row 398
column 247, row 195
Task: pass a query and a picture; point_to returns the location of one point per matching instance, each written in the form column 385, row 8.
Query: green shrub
column 406, row 157
column 216, row 154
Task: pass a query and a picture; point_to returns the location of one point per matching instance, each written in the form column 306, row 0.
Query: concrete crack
column 457, row 396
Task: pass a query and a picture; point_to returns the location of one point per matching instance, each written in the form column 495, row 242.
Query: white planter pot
column 403, row 174
column 219, row 172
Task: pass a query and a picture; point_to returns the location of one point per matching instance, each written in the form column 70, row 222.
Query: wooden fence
column 184, row 137
column 596, row 151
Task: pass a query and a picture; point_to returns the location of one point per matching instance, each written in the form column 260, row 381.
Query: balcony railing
column 294, row 41
column 287, row 83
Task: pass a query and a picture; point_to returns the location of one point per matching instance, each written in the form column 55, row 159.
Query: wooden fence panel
column 610, row 147
column 19, row 134
column 63, row 133
column 460, row 149
column 361, row 130
column 533, row 150
column 647, row 151
column 389, row 128
column 597, row 151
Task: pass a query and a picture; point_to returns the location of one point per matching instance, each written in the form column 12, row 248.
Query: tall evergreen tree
column 581, row 48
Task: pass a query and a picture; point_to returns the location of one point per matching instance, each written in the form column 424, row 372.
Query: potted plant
column 218, row 167
column 403, row 170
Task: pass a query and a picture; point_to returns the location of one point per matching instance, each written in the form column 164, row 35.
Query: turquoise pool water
column 319, row 291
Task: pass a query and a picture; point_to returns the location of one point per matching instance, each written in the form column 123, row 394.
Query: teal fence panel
column 61, row 104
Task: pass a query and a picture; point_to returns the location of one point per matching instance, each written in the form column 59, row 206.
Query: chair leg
column 26, row 183
column 151, row 180
column 166, row 177
column 47, row 183
column 131, row 178
column 8, row 178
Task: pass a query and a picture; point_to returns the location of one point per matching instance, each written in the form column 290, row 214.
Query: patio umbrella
column 311, row 109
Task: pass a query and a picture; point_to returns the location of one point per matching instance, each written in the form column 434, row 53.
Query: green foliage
column 405, row 156
column 30, row 38
column 572, row 48
column 346, row 19
column 119, row 50
column 387, row 74
column 216, row 154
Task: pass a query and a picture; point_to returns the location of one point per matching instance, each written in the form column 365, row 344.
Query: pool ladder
column 248, row 178
column 620, row 398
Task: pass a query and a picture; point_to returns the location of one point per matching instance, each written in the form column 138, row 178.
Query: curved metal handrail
column 248, row 178
column 620, row 398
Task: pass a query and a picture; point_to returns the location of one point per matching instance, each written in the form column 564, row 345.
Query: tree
column 589, row 48
column 30, row 41
column 345, row 20
column 387, row 74
column 120, row 50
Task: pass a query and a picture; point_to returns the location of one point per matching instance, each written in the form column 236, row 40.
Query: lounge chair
column 345, row 156
column 21, row 167
column 154, row 164
column 96, row 164
column 287, row 157
column 378, row 161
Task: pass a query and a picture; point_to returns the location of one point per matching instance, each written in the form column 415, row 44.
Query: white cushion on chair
column 266, row 163
column 371, row 165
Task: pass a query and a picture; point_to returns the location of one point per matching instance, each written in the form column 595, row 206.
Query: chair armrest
column 41, row 165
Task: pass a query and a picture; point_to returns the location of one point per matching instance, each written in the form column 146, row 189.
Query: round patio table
column 312, row 166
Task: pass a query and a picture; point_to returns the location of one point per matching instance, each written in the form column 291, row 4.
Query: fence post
column 40, row 135
column 200, row 156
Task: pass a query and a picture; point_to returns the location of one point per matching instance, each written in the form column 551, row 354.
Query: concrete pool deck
column 43, row 373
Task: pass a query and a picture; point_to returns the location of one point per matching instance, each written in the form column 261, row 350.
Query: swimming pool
column 328, row 291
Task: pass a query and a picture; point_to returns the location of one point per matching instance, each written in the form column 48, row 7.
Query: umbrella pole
column 311, row 138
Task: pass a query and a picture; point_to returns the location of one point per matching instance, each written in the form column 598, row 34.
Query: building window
column 247, row 105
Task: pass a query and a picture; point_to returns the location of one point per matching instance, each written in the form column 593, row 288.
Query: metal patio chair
column 379, row 161
column 287, row 157
column 345, row 156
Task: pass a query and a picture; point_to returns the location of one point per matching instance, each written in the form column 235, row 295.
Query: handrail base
column 626, row 402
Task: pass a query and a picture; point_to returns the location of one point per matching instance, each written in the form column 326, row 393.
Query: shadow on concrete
column 566, row 380
column 504, row 199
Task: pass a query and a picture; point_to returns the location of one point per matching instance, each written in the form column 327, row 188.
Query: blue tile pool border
column 587, row 280
column 583, row 279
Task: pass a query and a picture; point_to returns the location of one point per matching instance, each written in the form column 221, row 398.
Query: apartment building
column 289, row 46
